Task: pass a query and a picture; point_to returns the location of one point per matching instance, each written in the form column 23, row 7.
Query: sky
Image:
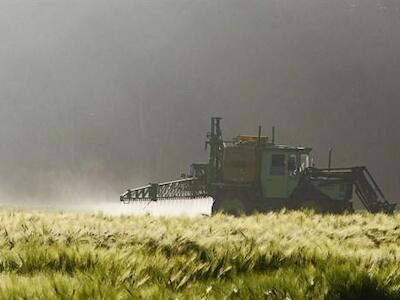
column 99, row 96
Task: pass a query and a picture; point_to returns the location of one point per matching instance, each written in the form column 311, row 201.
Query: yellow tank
column 239, row 164
column 250, row 140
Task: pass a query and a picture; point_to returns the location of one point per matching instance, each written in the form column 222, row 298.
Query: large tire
column 232, row 203
column 307, row 197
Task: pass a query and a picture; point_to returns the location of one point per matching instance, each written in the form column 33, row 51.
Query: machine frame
column 279, row 181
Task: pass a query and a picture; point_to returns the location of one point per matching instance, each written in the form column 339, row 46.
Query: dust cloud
column 100, row 96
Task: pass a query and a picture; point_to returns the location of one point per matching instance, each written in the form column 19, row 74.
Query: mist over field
column 100, row 96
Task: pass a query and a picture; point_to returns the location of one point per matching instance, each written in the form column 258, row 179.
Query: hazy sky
column 98, row 96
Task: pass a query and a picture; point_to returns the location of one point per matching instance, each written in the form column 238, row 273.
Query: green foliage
column 286, row 255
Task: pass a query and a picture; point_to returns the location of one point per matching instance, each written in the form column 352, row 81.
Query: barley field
column 286, row 255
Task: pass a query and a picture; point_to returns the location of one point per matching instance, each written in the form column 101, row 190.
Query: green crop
column 286, row 255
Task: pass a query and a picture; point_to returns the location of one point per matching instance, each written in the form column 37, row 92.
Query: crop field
column 286, row 255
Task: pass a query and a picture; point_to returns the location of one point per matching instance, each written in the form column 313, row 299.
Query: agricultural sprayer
column 252, row 173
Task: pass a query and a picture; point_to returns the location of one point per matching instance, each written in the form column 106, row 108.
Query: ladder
column 369, row 192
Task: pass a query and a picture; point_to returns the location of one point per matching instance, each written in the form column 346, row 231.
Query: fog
column 99, row 96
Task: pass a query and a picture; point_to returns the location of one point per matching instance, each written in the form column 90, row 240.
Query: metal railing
column 187, row 188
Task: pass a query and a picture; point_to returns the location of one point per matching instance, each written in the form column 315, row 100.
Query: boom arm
column 187, row 188
column 197, row 186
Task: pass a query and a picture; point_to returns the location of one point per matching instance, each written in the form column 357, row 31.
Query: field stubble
column 286, row 255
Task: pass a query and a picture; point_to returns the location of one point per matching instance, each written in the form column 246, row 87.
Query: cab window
column 277, row 165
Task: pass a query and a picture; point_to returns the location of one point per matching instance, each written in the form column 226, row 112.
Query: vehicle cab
column 281, row 166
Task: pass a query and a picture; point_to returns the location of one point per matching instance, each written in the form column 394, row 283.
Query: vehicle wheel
column 229, row 203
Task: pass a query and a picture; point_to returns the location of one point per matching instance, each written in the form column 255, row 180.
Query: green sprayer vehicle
column 253, row 173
